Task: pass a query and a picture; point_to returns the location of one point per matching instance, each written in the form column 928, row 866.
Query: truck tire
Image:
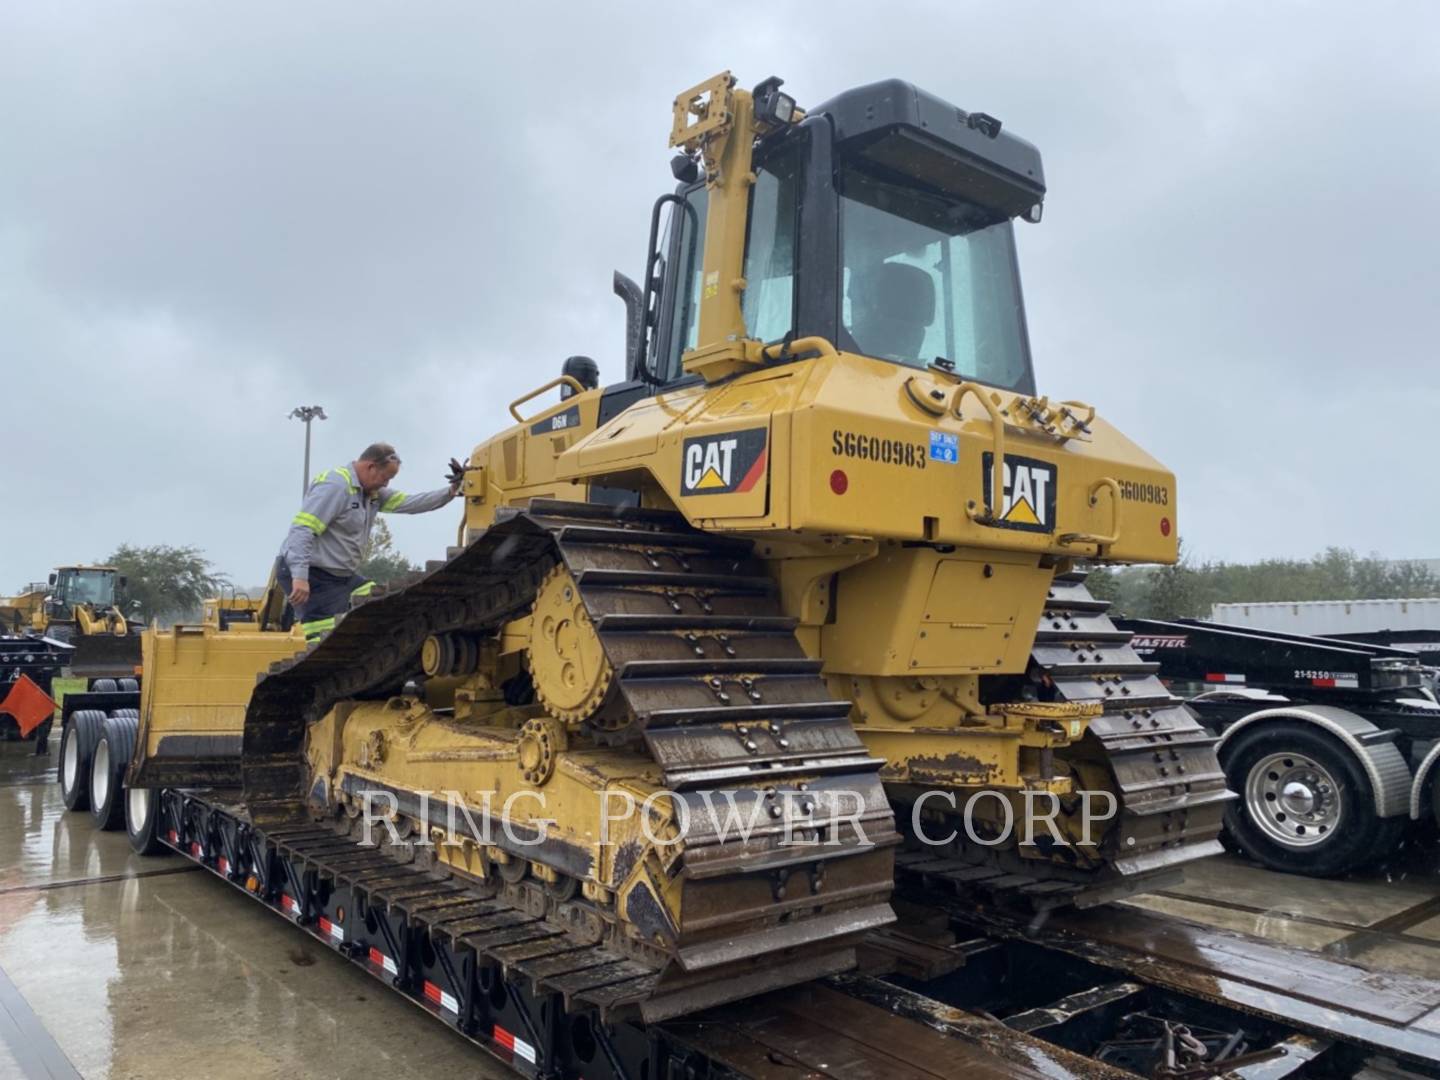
column 103, row 686
column 142, row 820
column 128, row 686
column 107, row 772
column 77, row 750
column 1306, row 805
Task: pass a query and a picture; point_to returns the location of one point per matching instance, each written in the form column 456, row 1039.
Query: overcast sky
column 408, row 213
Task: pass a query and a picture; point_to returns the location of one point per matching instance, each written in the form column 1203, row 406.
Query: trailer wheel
column 1305, row 806
column 142, row 820
column 107, row 772
column 77, row 750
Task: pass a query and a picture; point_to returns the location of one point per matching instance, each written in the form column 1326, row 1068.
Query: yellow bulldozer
column 801, row 592
column 80, row 606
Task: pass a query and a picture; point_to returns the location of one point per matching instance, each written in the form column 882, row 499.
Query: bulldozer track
column 1169, row 783
column 718, row 691
column 349, row 891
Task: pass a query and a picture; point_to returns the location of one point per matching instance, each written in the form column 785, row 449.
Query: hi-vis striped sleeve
column 310, row 521
column 401, row 502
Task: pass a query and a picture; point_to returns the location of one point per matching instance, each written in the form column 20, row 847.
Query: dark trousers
column 330, row 597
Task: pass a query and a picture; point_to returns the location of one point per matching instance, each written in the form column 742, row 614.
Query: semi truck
column 1331, row 744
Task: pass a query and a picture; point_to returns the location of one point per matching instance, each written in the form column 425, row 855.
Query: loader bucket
column 105, row 655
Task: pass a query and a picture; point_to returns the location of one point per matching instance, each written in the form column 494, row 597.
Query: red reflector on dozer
column 28, row 704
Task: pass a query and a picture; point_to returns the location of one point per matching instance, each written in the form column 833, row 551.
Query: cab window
column 927, row 276
column 769, row 300
column 689, row 255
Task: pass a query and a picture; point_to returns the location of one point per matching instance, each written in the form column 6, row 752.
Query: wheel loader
column 801, row 594
column 79, row 606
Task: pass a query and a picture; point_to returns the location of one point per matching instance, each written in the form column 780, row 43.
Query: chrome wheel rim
column 100, row 775
column 137, row 806
column 70, row 766
column 1293, row 799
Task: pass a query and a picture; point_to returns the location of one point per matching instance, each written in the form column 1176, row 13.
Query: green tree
column 383, row 563
column 1177, row 591
column 169, row 583
column 1406, row 580
column 1104, row 582
column 1190, row 590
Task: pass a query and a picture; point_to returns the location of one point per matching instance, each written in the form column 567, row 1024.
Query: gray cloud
column 409, row 213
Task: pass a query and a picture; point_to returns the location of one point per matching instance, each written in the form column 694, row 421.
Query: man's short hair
column 379, row 453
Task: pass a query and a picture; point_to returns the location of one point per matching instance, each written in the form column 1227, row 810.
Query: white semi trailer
column 1333, row 617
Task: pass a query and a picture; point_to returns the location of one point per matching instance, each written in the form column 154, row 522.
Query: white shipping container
column 1333, row 616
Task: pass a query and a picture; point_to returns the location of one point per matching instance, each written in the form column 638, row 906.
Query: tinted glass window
column 769, row 301
column 926, row 276
column 683, row 333
column 86, row 587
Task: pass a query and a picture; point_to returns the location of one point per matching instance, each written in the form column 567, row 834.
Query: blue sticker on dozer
column 944, row 446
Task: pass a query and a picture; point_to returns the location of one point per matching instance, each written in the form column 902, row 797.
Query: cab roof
column 900, row 127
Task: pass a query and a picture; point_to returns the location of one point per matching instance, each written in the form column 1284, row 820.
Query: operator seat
column 891, row 306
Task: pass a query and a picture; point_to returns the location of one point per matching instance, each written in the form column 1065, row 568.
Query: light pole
column 307, row 413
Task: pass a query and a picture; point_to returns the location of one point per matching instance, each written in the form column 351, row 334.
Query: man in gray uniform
column 329, row 537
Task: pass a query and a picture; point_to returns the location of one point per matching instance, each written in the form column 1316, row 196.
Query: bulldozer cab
column 881, row 222
column 831, row 299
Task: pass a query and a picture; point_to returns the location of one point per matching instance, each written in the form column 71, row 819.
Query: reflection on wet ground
column 131, row 967
column 145, row 967
column 1385, row 920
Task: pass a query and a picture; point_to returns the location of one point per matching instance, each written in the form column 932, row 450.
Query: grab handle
column 986, row 515
column 563, row 380
column 1114, row 535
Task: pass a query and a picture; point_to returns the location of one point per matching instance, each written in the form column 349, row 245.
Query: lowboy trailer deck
column 954, row 989
column 958, row 987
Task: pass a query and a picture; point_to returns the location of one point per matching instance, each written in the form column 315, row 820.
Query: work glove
column 455, row 475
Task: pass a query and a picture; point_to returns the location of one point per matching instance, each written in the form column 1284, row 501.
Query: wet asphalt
column 115, row 966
